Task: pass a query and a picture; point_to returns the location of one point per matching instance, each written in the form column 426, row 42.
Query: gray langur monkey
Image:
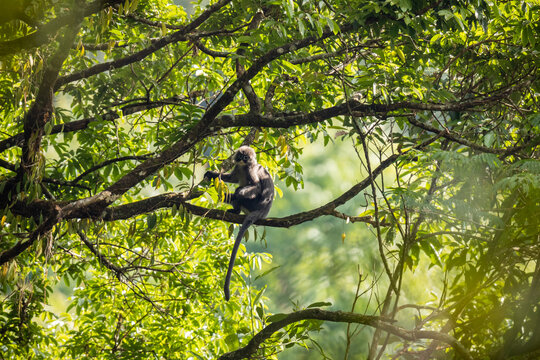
column 254, row 196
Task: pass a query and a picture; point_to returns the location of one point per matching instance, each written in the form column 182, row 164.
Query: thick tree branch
column 41, row 110
column 344, row 317
column 296, row 119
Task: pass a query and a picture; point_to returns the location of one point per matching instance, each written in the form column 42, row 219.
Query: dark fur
column 254, row 196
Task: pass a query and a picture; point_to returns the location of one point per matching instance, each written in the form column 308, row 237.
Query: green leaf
column 275, row 318
column 267, row 272
column 319, row 304
column 151, row 221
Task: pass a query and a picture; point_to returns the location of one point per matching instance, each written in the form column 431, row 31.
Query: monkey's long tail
column 248, row 221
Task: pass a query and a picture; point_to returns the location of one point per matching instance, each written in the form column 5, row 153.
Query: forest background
column 403, row 137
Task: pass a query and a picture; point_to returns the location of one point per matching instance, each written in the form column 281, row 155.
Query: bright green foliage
column 111, row 247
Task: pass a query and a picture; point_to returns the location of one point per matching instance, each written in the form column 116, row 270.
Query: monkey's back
column 262, row 202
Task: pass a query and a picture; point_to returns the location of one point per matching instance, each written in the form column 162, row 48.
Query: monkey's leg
column 248, row 192
column 233, row 200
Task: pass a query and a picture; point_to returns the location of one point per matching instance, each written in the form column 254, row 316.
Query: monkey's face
column 245, row 156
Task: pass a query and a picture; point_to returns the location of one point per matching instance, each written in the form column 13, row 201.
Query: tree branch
column 455, row 138
column 296, row 119
column 40, row 112
column 344, row 317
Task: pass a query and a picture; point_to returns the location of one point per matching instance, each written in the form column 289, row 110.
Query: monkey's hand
column 209, row 175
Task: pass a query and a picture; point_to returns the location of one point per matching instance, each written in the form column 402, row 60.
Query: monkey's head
column 245, row 156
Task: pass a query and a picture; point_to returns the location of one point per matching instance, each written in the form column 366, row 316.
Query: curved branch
column 343, row 317
column 209, row 51
column 102, row 259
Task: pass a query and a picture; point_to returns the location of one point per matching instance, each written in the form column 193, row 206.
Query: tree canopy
column 112, row 110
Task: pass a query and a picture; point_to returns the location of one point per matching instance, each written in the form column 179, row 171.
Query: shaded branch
column 208, row 51
column 40, row 112
column 344, row 317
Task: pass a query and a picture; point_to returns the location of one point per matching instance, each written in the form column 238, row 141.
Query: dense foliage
column 111, row 110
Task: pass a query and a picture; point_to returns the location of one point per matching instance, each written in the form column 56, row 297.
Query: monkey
column 254, row 196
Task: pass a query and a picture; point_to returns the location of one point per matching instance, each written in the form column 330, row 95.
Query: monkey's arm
column 230, row 177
